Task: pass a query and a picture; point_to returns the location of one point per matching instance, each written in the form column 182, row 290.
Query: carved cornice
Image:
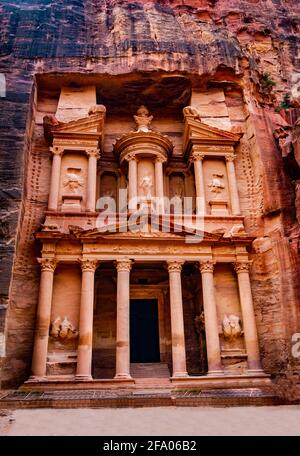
column 207, row 266
column 47, row 264
column 88, row 265
column 123, row 265
column 242, row 266
column 175, row 266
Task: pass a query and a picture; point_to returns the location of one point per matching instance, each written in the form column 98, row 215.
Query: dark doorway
column 144, row 333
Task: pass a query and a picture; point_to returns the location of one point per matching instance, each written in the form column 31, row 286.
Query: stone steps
column 149, row 370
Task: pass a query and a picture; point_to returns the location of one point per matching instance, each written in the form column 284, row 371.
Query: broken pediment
column 90, row 127
column 197, row 133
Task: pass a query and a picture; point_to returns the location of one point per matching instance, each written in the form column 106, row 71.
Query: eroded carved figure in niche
column 108, row 187
column 142, row 119
column 146, row 185
column 231, row 327
column 199, row 322
column 217, row 185
column 177, row 187
column 63, row 329
column 73, row 181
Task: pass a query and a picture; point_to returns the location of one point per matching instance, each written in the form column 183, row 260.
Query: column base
column 123, row 377
column 37, row 378
column 256, row 372
column 180, row 374
column 215, row 373
column 83, row 378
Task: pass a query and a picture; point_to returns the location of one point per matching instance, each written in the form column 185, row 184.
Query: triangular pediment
column 92, row 125
column 159, row 229
column 197, row 132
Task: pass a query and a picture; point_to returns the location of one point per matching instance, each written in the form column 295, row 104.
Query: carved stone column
column 40, row 349
column 159, row 183
column 122, row 342
column 177, row 323
column 55, row 178
column 249, row 323
column 132, row 181
column 84, row 351
column 232, row 183
column 211, row 319
column 197, row 158
column 93, row 155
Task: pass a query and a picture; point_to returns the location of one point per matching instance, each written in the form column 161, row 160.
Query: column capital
column 207, row 266
column 57, row 150
column 131, row 157
column 88, row 265
column 93, row 153
column 197, row 156
column 160, row 159
column 242, row 266
column 230, row 157
column 175, row 265
column 123, row 265
column 47, row 264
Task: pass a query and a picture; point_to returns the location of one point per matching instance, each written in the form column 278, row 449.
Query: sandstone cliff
column 249, row 46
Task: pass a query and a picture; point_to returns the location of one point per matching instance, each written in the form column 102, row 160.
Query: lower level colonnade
column 122, row 366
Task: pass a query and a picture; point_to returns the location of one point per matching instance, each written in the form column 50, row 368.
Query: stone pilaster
column 211, row 319
column 93, row 156
column 84, row 351
column 55, row 178
column 159, row 183
column 177, row 323
column 232, row 183
column 197, row 159
column 132, row 181
column 40, row 349
column 123, row 309
column 249, row 323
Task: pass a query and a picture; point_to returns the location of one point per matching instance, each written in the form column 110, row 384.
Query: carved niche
column 108, row 186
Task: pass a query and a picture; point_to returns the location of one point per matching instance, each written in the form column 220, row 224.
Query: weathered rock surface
column 251, row 47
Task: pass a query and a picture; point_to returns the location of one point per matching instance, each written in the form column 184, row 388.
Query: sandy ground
column 281, row 420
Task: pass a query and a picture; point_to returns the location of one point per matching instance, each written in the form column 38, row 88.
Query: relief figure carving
column 63, row 330
column 231, row 327
column 142, row 119
column 73, row 181
column 217, row 185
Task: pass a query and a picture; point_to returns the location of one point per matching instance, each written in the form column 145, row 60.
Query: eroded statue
column 231, row 327
column 216, row 185
column 191, row 111
column 63, row 329
column 73, row 180
column 146, row 185
column 143, row 119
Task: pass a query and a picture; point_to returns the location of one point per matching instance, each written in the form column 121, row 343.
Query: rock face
column 243, row 54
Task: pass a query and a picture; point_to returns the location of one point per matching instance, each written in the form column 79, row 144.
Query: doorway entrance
column 144, row 332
